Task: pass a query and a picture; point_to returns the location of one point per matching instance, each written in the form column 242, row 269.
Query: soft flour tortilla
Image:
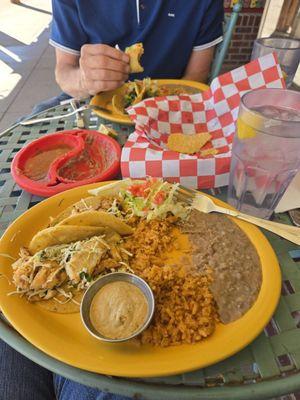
column 62, row 235
column 98, row 218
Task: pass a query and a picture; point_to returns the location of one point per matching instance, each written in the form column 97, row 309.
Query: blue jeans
column 21, row 379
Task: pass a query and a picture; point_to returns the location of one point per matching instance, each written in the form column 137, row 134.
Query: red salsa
column 37, row 167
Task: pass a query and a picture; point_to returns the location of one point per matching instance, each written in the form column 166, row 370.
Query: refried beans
column 118, row 310
column 219, row 243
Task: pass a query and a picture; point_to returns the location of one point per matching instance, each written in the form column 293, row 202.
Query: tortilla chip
column 208, row 152
column 135, row 52
column 62, row 235
column 98, row 218
column 187, row 144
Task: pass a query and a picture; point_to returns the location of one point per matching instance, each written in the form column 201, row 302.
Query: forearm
column 199, row 76
column 68, row 78
column 199, row 64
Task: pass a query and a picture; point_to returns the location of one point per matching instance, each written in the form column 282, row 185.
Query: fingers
column 102, row 68
column 103, row 62
column 103, row 49
column 106, row 75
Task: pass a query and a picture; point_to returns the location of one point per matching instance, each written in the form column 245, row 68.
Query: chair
column 222, row 48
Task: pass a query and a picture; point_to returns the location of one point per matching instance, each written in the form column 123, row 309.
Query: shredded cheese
column 104, row 242
column 17, row 292
column 61, row 302
column 127, row 266
column 126, row 252
column 67, row 295
column 37, row 292
column 85, row 205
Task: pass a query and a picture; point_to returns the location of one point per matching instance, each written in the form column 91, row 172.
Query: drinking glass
column 288, row 52
column 265, row 151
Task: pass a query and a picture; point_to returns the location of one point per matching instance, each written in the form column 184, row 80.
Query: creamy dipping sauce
column 118, row 310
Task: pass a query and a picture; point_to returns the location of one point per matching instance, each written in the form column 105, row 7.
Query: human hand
column 102, row 68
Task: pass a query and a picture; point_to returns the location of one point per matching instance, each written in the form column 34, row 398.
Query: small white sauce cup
column 104, row 280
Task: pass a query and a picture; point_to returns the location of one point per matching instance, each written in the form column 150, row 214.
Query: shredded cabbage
column 153, row 199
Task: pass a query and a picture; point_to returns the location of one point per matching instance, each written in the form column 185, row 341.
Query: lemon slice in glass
column 247, row 125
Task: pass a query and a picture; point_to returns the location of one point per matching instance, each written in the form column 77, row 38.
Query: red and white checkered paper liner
column 214, row 111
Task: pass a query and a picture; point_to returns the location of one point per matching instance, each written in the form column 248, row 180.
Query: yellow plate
column 63, row 336
column 104, row 99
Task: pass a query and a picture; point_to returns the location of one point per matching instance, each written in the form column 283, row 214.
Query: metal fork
column 205, row 204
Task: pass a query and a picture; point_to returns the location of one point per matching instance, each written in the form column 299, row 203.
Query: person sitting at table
column 179, row 39
column 22, row 379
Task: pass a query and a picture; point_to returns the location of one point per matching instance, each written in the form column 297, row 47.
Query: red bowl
column 91, row 157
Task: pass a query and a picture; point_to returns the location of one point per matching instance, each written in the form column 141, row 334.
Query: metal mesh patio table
column 268, row 367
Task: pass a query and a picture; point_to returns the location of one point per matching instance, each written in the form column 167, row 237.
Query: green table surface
column 268, row 367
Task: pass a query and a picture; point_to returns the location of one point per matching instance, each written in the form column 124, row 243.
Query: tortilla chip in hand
column 135, row 53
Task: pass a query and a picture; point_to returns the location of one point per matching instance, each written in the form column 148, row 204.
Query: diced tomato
column 136, row 190
column 140, row 190
column 147, row 187
column 159, row 197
